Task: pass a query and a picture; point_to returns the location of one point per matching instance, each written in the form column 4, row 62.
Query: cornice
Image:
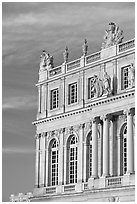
column 96, row 103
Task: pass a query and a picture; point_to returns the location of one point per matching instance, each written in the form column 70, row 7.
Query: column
column 111, row 152
column 94, row 149
column 37, row 161
column 65, row 165
column 61, row 158
column 47, row 163
column 80, row 153
column 100, row 149
column 85, row 162
column 42, row 160
column 130, row 141
column 105, row 145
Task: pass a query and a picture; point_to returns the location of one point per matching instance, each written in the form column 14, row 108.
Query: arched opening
column 72, row 156
column 53, row 163
column 125, row 150
column 89, row 155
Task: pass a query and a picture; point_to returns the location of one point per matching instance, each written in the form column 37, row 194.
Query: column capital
column 37, row 136
column 94, row 119
column 61, row 130
column 105, row 117
column 81, row 126
column 129, row 111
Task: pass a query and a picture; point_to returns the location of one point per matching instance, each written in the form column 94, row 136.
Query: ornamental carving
column 46, row 61
column 101, row 87
column 113, row 199
column 131, row 76
column 113, row 36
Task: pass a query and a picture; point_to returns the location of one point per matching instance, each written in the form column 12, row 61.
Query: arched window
column 125, row 150
column 54, row 163
column 73, row 159
column 89, row 155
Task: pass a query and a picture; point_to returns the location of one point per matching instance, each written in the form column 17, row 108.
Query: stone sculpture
column 131, row 75
column 107, row 84
column 113, row 36
column 85, row 48
column 66, row 54
column 46, row 61
column 97, row 87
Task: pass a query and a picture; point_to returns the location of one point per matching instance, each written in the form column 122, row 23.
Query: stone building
column 85, row 125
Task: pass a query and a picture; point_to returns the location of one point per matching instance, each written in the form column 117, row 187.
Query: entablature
column 96, row 104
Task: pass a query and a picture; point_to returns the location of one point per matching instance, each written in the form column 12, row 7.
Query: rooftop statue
column 66, row 54
column 85, row 48
column 113, row 36
column 46, row 61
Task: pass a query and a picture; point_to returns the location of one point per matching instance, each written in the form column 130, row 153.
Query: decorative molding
column 113, row 199
column 87, row 109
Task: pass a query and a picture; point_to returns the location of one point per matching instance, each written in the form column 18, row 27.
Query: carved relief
column 46, row 61
column 113, row 36
column 113, row 199
column 101, row 87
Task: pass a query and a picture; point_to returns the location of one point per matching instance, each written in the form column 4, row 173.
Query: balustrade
column 73, row 65
column 55, row 71
column 126, row 45
column 94, row 57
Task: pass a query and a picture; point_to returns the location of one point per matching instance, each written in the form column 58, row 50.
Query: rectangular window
column 125, row 81
column 90, row 88
column 72, row 93
column 54, row 99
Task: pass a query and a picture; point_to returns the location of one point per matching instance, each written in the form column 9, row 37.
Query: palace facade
column 85, row 125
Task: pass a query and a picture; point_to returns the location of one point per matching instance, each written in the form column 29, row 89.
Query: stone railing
column 69, row 187
column 85, row 186
column 93, row 57
column 50, row 190
column 73, row 64
column 126, row 45
column 113, row 181
column 55, row 71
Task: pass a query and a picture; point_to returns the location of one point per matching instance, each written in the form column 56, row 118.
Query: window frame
column 54, row 99
column 54, row 165
column 73, row 161
column 74, row 100
column 124, row 78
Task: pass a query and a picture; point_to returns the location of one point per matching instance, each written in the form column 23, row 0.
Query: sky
column 27, row 29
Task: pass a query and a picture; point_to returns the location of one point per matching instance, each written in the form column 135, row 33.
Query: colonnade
column 42, row 155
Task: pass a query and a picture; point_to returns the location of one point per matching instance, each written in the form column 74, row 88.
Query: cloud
column 17, row 150
column 19, row 103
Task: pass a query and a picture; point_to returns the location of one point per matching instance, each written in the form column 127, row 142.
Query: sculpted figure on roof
column 46, row 61
column 85, row 48
column 113, row 36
